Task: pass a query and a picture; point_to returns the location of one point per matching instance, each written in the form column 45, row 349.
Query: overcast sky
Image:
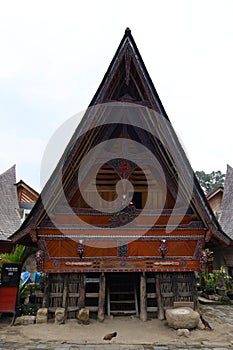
column 53, row 56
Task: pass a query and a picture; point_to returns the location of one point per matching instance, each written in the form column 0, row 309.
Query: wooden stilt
column 65, row 292
column 143, row 299
column 81, row 291
column 45, row 300
column 159, row 298
column 101, row 303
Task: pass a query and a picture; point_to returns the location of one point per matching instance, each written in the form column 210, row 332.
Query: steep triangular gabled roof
column 119, row 81
column 227, row 203
column 9, row 206
column 126, row 86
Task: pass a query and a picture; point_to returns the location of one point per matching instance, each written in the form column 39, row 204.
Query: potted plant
column 208, row 281
column 24, row 292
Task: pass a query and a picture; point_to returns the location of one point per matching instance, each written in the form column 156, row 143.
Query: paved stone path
column 221, row 314
column 47, row 346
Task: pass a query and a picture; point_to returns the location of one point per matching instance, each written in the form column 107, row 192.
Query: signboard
column 10, row 274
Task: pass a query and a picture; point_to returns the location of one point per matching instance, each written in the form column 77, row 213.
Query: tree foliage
column 210, row 182
column 20, row 254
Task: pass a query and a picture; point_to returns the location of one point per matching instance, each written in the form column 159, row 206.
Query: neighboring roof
column 215, row 192
column 9, row 219
column 227, row 203
column 26, row 193
column 116, row 86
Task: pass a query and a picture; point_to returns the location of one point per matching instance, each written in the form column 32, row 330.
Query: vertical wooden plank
column 143, row 298
column 136, row 299
column 65, row 292
column 159, row 298
column 81, row 291
column 45, row 300
column 108, row 301
column 101, row 302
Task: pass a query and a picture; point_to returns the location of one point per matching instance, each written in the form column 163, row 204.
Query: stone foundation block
column 182, row 318
column 42, row 315
column 83, row 316
column 60, row 315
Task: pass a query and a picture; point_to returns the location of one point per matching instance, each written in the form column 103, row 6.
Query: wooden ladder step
column 151, row 295
column 92, row 295
column 123, row 312
column 151, row 308
column 122, row 301
column 92, row 280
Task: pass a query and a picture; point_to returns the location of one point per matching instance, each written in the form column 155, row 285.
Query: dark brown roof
column 227, row 203
column 9, row 218
column 116, row 86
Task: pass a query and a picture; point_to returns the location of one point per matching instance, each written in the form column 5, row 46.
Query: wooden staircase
column 92, row 292
column 151, row 293
column 122, row 295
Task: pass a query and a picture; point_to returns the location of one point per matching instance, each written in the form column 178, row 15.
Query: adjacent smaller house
column 215, row 200
column 16, row 201
column 226, row 219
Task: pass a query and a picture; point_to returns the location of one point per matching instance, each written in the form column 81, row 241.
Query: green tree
column 210, row 182
column 20, row 254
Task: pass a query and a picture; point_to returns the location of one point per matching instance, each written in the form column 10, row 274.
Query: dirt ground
column 130, row 330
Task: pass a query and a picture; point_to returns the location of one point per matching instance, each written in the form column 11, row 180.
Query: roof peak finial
column 127, row 31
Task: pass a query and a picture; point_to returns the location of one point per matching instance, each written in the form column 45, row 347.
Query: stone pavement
column 55, row 346
column 220, row 317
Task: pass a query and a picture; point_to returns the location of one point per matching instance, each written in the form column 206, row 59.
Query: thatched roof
column 9, row 217
column 227, row 203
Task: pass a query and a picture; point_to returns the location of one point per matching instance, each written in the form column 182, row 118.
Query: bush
column 27, row 309
column 225, row 300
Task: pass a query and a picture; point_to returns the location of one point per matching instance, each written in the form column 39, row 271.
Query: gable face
column 123, row 196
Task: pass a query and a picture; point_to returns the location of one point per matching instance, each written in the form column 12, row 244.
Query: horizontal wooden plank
column 73, row 295
column 55, row 295
column 185, row 294
column 183, row 304
column 122, row 301
column 72, row 308
column 92, row 295
column 92, row 280
column 167, row 294
column 151, row 308
column 151, row 295
column 123, row 312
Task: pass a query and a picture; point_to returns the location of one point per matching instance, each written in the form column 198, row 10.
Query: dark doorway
column 122, row 294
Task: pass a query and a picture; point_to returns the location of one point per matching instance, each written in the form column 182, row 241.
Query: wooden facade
column 142, row 256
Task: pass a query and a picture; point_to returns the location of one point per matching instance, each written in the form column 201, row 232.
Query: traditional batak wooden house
column 122, row 222
column 16, row 202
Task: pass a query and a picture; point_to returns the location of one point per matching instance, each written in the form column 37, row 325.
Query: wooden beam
column 101, row 303
column 143, row 298
column 81, row 291
column 161, row 315
column 65, row 292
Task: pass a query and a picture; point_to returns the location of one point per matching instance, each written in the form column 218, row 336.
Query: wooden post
column 143, row 298
column 159, row 298
column 65, row 292
column 45, row 300
column 81, row 291
column 101, row 303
